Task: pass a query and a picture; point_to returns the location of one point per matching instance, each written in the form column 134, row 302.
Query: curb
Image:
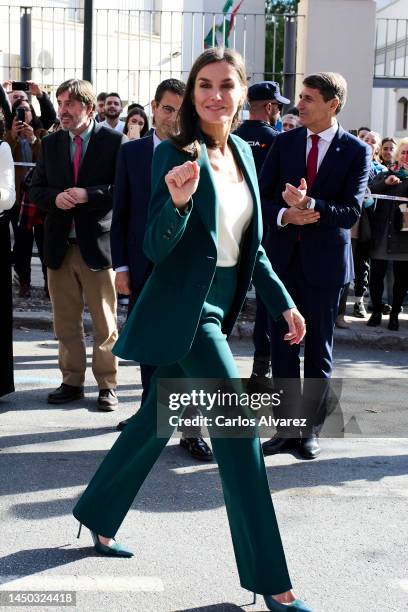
column 357, row 336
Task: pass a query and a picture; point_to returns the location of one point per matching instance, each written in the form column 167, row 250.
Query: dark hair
column 78, row 90
column 135, row 105
column 101, row 97
column 330, row 85
column 363, row 128
column 35, row 122
column 113, row 94
column 141, row 113
column 187, row 138
column 174, row 85
column 292, row 111
column 388, row 139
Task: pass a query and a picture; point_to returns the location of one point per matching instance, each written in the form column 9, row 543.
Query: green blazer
column 163, row 322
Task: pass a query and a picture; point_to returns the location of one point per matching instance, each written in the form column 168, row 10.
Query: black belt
column 72, row 241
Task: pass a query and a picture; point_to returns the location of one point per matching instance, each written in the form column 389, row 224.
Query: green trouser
column 254, row 529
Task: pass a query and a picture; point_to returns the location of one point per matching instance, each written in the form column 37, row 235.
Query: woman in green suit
column 203, row 235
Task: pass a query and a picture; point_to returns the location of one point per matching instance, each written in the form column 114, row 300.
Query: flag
column 218, row 36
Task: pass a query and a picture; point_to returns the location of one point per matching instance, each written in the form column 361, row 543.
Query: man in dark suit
column 73, row 184
column 131, row 203
column 312, row 186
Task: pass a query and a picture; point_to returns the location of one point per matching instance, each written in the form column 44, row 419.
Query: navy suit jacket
column 130, row 207
column 339, row 187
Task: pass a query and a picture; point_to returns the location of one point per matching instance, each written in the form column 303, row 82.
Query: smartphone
column 20, row 114
column 20, row 86
column 134, row 131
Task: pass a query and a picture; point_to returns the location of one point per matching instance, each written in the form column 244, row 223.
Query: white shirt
column 234, row 215
column 119, row 127
column 156, row 142
column 7, row 186
column 323, row 145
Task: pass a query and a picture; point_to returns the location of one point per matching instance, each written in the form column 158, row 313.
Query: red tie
column 311, row 166
column 76, row 162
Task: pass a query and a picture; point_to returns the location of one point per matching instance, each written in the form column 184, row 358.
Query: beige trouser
column 69, row 286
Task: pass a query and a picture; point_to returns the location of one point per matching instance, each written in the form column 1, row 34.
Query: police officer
column 264, row 123
column 265, row 103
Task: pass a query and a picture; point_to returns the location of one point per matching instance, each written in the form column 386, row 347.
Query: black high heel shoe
column 275, row 606
column 115, row 550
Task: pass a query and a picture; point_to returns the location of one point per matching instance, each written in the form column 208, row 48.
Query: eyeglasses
column 169, row 110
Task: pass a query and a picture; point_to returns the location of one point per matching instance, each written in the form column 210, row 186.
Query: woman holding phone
column 24, row 137
column 204, row 236
column 136, row 124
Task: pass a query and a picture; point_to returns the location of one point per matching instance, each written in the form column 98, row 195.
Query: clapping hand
column 296, row 196
column 298, row 216
column 182, row 182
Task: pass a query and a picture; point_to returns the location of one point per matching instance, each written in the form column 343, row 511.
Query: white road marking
column 108, row 584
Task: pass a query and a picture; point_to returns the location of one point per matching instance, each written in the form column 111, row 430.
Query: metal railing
column 133, row 50
column 391, row 49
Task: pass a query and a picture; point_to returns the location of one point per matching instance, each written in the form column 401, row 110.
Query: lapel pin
column 338, row 149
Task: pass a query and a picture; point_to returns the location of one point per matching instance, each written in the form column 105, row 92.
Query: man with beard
column 131, row 202
column 113, row 109
column 73, row 184
column 100, row 107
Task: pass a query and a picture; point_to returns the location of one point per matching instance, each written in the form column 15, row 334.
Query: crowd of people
column 179, row 219
column 380, row 246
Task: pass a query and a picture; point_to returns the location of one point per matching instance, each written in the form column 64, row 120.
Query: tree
column 275, row 31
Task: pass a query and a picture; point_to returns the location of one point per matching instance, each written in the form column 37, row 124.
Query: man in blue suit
column 312, row 186
column 131, row 203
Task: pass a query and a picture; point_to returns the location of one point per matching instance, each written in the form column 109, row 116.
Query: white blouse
column 7, row 187
column 234, row 215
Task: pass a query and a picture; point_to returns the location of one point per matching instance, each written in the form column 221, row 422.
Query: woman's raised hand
column 182, row 182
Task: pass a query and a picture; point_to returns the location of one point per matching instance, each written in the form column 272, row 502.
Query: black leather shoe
column 309, row 447
column 393, row 323
column 375, row 319
column 107, row 400
column 65, row 394
column 198, row 448
column 279, row 445
column 122, row 424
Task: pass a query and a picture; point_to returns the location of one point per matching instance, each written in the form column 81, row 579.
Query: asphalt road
column 342, row 517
